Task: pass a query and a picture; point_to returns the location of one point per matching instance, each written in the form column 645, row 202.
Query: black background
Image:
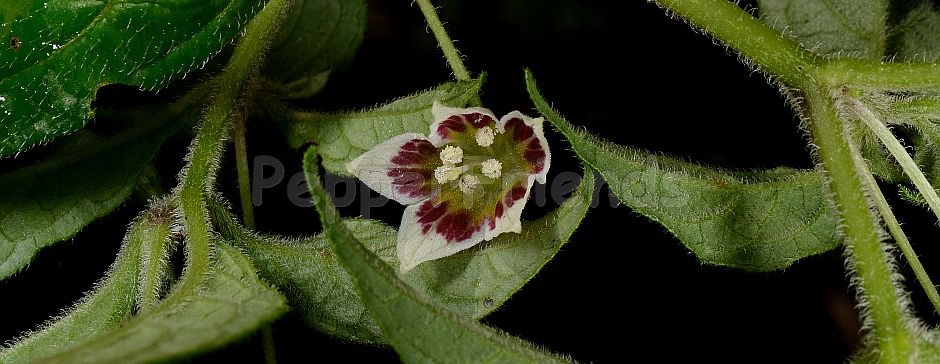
column 622, row 289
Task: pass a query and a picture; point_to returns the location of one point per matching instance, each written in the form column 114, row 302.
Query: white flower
column 441, row 179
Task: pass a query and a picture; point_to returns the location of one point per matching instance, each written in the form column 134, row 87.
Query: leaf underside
column 342, row 137
column 838, row 28
column 316, row 36
column 84, row 178
column 758, row 221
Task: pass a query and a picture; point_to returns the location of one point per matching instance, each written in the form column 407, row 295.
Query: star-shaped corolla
column 464, row 183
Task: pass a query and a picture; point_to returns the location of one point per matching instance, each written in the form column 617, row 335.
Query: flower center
column 468, row 174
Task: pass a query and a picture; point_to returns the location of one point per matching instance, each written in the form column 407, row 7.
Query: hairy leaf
column 342, row 137
column 831, row 27
column 757, row 221
column 306, row 271
column 231, row 304
column 472, row 283
column 111, row 302
column 316, row 36
column 57, row 53
column 418, row 329
column 83, row 179
column 918, row 38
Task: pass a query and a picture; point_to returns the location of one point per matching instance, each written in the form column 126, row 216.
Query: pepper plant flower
column 464, row 183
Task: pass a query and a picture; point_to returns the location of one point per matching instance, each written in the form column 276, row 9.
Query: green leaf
column 112, row 301
column 85, row 178
column 66, row 49
column 918, row 38
column 759, row 221
column 342, row 137
column 418, row 329
column 316, row 37
column 231, row 304
column 318, row 288
column 851, row 29
column 472, row 283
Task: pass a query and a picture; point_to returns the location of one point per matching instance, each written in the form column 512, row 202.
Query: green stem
column 267, row 342
column 898, row 152
column 154, row 255
column 871, row 263
column 894, row 227
column 881, row 75
column 207, row 146
column 241, row 164
column 446, row 44
column 248, row 217
column 772, row 52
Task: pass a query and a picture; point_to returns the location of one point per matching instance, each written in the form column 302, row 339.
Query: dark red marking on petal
column 410, row 174
column 497, row 213
column 534, row 144
column 454, row 123
column 520, row 131
column 479, row 120
column 430, row 212
column 414, row 152
column 515, row 194
column 457, row 226
column 536, row 158
column 412, row 182
column 453, row 226
column 460, row 123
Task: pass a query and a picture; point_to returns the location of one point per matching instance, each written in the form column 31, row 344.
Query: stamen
column 468, row 182
column 446, row 173
column 492, row 168
column 452, row 155
column 485, row 136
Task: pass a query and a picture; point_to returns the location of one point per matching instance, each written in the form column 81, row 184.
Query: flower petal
column 401, row 168
column 435, row 229
column 450, row 222
column 458, row 124
column 528, row 133
column 507, row 214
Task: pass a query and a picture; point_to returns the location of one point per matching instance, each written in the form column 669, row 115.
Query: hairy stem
column 241, row 164
column 881, row 75
column 894, row 227
column 860, row 228
column 446, row 44
column 207, row 147
column 248, row 218
column 897, row 151
column 772, row 52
